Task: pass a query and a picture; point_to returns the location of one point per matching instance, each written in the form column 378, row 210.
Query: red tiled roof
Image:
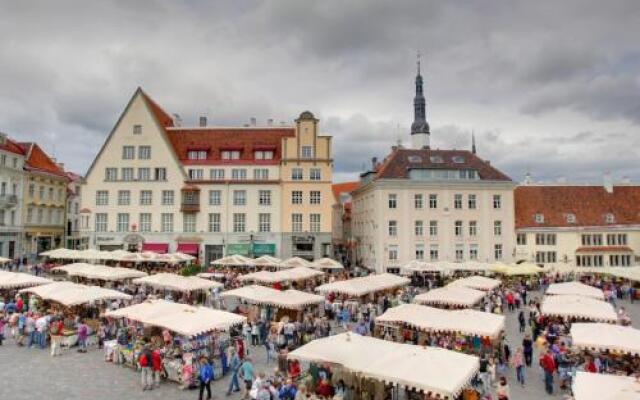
column 38, row 160
column 604, row 249
column 343, row 187
column 12, row 147
column 247, row 140
column 589, row 205
column 398, row 163
column 163, row 118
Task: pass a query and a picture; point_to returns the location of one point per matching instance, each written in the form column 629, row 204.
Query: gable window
column 102, row 198
column 111, row 174
column 128, row 152
column 144, row 152
column 306, row 151
column 137, row 129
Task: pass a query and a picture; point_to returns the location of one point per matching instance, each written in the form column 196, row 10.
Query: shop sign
column 105, row 239
column 261, row 249
column 303, row 239
column 238, row 248
column 133, row 238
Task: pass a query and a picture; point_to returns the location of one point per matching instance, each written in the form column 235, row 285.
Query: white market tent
column 59, row 253
column 571, row 306
column 420, row 266
column 599, row 336
column 10, row 280
column 4, row 260
column 426, row 369
column 575, row 288
column 100, row 272
column 181, row 318
column 516, row 269
column 357, row 287
column 285, row 275
column 235, row 260
column 588, row 386
column 72, row 294
column 327, row 263
column 466, row 322
column 477, row 282
column 177, row 282
column 267, row 261
column 262, row 295
column 210, row 275
column 294, row 262
column 457, row 296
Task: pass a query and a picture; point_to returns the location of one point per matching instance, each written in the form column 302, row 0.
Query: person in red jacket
column 548, row 364
column 294, row 370
column 156, row 366
column 145, row 369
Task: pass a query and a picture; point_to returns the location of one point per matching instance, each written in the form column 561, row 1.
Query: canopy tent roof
column 261, row 295
column 285, row 275
column 117, row 255
column 575, row 288
column 362, row 286
column 599, row 336
column 477, row 282
column 210, row 275
column 10, row 280
column 630, row 273
column 516, row 269
column 4, row 260
column 327, row 263
column 467, row 322
column 421, row 266
column 235, row 260
column 267, row 261
column 451, row 295
column 100, row 272
column 59, row 253
column 578, row 307
column 294, row 262
column 181, row 318
column 72, row 294
column 427, row 369
column 588, row 386
column 465, row 266
column 177, row 282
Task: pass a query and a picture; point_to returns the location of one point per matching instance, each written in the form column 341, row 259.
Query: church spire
column 420, row 127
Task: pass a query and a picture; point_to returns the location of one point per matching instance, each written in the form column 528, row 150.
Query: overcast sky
column 548, row 87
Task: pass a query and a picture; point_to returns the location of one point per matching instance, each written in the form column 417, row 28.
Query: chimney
column 203, row 121
column 253, row 121
column 270, row 122
column 374, row 161
column 607, row 182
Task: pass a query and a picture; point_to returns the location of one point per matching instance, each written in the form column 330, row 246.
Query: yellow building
column 306, row 174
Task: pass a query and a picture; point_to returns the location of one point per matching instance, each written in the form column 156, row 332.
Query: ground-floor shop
column 11, row 245
column 36, row 241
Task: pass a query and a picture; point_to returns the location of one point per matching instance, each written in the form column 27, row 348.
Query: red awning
column 160, row 248
column 188, row 248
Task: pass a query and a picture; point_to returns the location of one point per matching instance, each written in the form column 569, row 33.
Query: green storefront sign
column 238, row 248
column 255, row 249
column 261, row 249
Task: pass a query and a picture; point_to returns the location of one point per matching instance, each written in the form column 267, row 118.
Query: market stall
column 376, row 367
column 606, row 338
column 234, row 261
column 294, row 262
column 18, row 280
column 524, row 269
column 185, row 285
column 99, row 272
column 358, row 287
column 573, row 307
column 587, row 386
column 451, row 297
column 328, row 264
column 477, row 282
column 285, row 276
column 268, row 262
column 576, row 289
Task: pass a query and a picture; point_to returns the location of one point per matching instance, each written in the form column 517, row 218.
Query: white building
column 583, row 225
column 73, row 237
column 12, row 158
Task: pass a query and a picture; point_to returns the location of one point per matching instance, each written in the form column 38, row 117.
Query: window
column 306, row 152
column 32, row 190
column 497, row 201
column 619, row 260
column 497, row 228
column 571, row 218
column 128, row 152
column 137, row 129
column 472, row 202
column 189, row 223
column 239, row 221
column 296, row 174
column 497, row 251
column 458, row 228
column 436, row 160
column 433, row 228
column 261, row 174
column 393, row 200
column 609, row 218
column 146, row 197
column 393, row 253
column 145, row 222
column 433, row 252
column 161, row 174
column 393, row 228
column 543, row 257
column 102, row 198
column 296, row 222
column 167, row 197
column 296, row 197
column 216, row 174
column 521, row 239
column 214, row 197
column 459, row 252
column 214, row 222
column 50, row 193
column 539, row 218
column 101, row 222
column 264, row 197
column 127, row 174
column 144, row 152
column 592, row 240
column 473, row 228
column 238, row 174
column 314, row 197
column 433, row 201
column 619, row 239
column 239, row 197
column 144, row 174
column 123, row 222
column 263, row 155
column 419, row 251
column 30, row 215
column 315, row 174
column 417, row 201
column 264, row 222
column 196, row 173
column 418, row 228
column 473, row 251
column 230, row 155
column 111, row 174
column 124, row 197
column 40, row 215
column 166, row 222
column 457, row 201
column 197, row 154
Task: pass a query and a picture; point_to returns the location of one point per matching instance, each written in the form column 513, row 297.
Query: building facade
column 73, row 238
column 592, row 226
column 342, row 237
column 207, row 191
column 12, row 157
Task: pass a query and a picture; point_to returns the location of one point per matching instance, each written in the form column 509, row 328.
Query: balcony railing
column 190, row 207
column 8, row 200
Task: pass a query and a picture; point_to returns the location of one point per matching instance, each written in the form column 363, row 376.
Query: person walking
column 246, row 373
column 55, row 332
column 518, row 364
column 527, row 348
column 502, row 390
column 145, row 369
column 83, row 333
column 234, row 365
column 521, row 321
column 156, row 366
column 205, row 375
column 549, row 366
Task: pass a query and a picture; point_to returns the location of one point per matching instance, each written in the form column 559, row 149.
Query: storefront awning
column 160, row 248
column 188, row 248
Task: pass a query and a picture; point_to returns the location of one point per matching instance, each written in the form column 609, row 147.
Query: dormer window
column 571, row 218
column 609, row 218
column 458, row 159
column 414, row 159
column 137, row 129
column 263, row 155
column 539, row 218
column 230, row 154
column 436, row 159
column 197, row 154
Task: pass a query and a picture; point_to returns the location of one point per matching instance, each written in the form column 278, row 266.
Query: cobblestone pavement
column 27, row 374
